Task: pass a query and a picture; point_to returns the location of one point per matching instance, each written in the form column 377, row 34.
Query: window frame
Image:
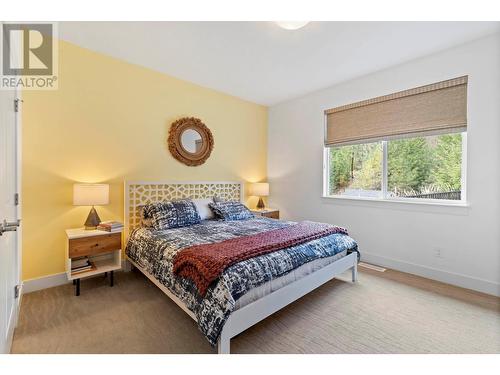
column 385, row 197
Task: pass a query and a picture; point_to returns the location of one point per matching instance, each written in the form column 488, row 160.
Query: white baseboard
column 480, row 285
column 32, row 285
column 126, row 266
column 44, row 282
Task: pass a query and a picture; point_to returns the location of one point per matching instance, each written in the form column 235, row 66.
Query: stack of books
column 81, row 264
column 110, row 226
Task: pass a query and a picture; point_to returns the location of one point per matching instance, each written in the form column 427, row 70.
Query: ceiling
column 262, row 63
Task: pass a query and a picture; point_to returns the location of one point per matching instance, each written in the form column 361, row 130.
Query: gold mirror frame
column 175, row 145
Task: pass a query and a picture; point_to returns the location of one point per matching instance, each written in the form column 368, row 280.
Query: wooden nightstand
column 272, row 213
column 104, row 250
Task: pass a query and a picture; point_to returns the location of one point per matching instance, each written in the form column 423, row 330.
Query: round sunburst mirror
column 190, row 141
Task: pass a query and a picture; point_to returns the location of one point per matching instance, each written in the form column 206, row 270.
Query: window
column 408, row 145
column 428, row 167
column 356, row 170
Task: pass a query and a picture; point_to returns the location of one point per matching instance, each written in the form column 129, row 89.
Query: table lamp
column 91, row 195
column 260, row 189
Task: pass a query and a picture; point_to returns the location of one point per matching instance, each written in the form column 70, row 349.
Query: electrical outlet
column 438, row 253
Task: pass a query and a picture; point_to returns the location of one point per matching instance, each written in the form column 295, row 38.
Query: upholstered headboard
column 139, row 193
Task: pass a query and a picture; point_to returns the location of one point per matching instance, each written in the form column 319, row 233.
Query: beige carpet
column 387, row 312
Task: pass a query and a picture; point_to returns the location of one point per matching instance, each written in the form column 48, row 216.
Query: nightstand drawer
column 272, row 214
column 94, row 245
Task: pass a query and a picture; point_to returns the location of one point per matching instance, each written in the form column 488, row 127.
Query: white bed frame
column 138, row 193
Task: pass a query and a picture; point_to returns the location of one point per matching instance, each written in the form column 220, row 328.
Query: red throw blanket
column 205, row 263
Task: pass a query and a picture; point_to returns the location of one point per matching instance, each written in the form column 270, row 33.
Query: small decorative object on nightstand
column 92, row 252
column 272, row 213
column 260, row 189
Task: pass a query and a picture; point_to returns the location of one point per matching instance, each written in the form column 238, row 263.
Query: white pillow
column 204, row 211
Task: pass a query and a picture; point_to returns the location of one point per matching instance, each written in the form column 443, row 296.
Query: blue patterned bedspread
column 155, row 251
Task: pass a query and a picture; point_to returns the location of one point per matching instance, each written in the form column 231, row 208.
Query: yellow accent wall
column 108, row 122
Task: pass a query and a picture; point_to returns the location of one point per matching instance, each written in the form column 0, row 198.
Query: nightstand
column 104, row 250
column 272, row 213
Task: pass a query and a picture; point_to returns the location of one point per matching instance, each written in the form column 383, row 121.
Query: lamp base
column 260, row 204
column 93, row 220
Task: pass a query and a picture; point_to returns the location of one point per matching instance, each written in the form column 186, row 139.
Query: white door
column 9, row 257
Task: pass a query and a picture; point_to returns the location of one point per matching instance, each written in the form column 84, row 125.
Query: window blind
column 432, row 109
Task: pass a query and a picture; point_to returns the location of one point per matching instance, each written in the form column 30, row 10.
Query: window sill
column 402, row 203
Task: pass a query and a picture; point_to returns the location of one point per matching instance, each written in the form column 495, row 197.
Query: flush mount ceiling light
column 291, row 25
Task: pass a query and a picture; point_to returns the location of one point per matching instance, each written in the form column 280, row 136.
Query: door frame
column 19, row 232
column 14, row 318
column 12, row 324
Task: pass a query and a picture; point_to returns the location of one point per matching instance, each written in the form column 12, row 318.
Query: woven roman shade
column 432, row 109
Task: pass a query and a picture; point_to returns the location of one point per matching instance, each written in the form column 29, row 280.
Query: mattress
column 241, row 283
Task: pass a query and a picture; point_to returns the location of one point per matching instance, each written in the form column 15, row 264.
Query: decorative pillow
column 174, row 214
column 218, row 199
column 230, row 210
column 202, row 207
column 145, row 221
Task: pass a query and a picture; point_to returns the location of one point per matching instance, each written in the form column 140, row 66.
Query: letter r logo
column 27, row 49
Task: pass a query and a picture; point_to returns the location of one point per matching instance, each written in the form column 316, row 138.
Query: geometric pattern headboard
column 139, row 193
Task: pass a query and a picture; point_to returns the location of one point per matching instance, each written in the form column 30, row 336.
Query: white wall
column 403, row 236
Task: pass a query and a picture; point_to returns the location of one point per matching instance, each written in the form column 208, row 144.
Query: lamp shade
column 90, row 194
column 259, row 189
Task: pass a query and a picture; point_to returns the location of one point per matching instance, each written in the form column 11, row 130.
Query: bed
column 246, row 292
